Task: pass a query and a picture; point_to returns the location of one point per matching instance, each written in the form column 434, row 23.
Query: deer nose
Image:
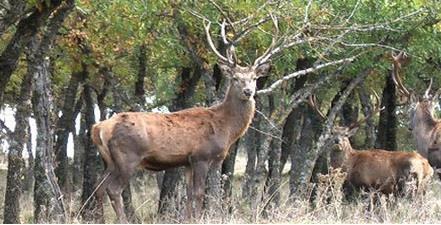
column 336, row 141
column 247, row 92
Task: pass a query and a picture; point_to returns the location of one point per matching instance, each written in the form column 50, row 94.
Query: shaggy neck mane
column 238, row 113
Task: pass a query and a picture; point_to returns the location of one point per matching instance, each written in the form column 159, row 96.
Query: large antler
column 377, row 108
column 399, row 60
column 312, row 101
column 230, row 57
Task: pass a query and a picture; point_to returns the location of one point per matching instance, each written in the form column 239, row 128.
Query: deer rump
column 158, row 141
column 385, row 171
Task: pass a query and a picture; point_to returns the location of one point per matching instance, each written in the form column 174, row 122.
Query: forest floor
column 421, row 209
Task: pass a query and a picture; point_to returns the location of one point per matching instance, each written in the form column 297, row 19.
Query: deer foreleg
column 200, row 170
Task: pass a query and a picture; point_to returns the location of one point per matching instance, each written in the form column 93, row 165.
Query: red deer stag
column 425, row 127
column 195, row 138
column 375, row 169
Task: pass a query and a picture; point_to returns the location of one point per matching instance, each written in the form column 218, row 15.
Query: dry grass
column 329, row 206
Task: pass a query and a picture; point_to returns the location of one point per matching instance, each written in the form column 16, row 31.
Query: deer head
column 341, row 134
column 243, row 78
column 420, row 107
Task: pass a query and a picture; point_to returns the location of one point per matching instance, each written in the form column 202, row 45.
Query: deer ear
column 226, row 69
column 352, row 131
column 262, row 70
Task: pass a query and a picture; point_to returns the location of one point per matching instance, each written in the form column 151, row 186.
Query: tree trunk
column 29, row 176
column 48, row 200
column 65, row 126
column 26, row 30
column 228, row 173
column 142, row 73
column 91, row 162
column 387, row 126
column 15, row 10
column 16, row 163
column 369, row 141
column 303, row 157
column 292, row 125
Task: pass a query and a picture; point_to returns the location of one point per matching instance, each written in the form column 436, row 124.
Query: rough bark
column 91, row 211
column 48, row 200
column 79, row 147
column 15, row 10
column 291, row 127
column 16, row 162
column 65, row 126
column 228, row 176
column 387, row 126
column 26, row 30
column 29, row 173
column 142, row 73
column 303, row 157
column 367, row 108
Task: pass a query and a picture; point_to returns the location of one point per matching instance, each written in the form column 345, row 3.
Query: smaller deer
column 375, row 169
column 425, row 127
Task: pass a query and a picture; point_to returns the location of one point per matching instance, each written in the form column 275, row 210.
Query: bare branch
column 5, row 128
column 304, row 72
column 308, row 7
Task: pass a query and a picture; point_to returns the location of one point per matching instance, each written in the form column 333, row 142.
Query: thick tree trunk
column 142, row 73
column 303, row 157
column 292, row 125
column 65, row 126
column 367, row 108
column 91, row 162
column 16, row 163
column 228, row 173
column 26, row 30
column 387, row 126
column 48, row 200
column 15, row 10
column 29, row 174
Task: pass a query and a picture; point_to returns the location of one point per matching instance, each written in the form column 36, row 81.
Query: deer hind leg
column 189, row 205
column 101, row 190
column 115, row 188
column 200, row 170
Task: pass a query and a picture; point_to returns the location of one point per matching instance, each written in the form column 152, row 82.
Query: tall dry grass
column 329, row 206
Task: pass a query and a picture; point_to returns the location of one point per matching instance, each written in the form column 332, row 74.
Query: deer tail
column 98, row 139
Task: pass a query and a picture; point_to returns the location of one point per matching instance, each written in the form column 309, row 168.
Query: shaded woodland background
column 66, row 64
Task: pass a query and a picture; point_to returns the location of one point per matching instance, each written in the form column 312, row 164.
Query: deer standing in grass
column 425, row 127
column 195, row 138
column 375, row 169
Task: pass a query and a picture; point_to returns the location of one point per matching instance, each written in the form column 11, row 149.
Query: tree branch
column 304, row 72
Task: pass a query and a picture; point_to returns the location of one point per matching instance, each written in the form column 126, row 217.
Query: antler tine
column 212, row 46
column 397, row 58
column 267, row 54
column 377, row 108
column 312, row 101
column 427, row 92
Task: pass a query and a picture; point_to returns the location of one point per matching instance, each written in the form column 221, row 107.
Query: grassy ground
column 422, row 209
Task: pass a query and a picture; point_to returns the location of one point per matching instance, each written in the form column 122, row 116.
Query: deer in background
column 195, row 138
column 425, row 127
column 375, row 169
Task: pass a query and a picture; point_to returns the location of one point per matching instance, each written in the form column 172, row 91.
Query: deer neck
column 424, row 121
column 238, row 113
